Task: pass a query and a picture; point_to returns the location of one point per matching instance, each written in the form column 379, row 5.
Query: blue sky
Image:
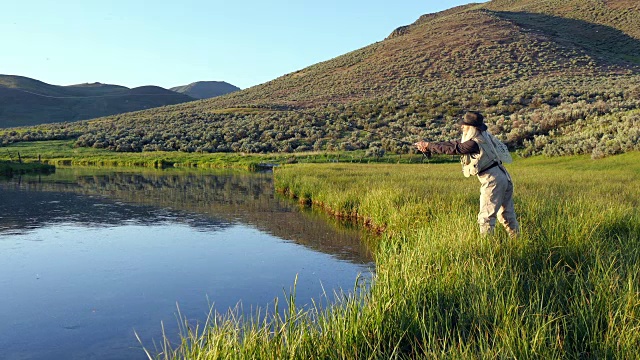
column 170, row 43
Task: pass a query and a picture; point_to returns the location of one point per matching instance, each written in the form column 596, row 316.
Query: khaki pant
column 496, row 201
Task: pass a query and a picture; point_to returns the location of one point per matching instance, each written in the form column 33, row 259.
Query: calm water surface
column 87, row 257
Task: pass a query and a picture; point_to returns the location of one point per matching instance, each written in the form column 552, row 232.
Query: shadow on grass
column 599, row 41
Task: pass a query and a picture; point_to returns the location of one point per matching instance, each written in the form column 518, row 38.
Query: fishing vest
column 473, row 164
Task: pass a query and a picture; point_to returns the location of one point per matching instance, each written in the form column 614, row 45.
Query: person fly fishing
column 480, row 158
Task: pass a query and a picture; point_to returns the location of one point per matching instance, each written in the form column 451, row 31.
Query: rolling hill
column 554, row 77
column 206, row 89
column 25, row 101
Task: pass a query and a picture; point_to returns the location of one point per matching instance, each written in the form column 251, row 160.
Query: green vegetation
column 64, row 153
column 600, row 136
column 553, row 77
column 10, row 168
column 545, row 74
column 568, row 287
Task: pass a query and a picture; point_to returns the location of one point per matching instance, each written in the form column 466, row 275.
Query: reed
column 568, row 287
column 10, row 168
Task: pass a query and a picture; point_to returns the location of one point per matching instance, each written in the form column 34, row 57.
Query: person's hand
column 422, row 146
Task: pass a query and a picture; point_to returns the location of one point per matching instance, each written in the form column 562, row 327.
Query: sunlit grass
column 64, row 153
column 568, row 287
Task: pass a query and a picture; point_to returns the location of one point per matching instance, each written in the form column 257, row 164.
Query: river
column 91, row 257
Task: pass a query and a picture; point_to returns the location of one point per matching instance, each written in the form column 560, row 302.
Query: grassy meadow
column 65, row 153
column 568, row 287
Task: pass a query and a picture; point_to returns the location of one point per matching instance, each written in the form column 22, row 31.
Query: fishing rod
column 427, row 154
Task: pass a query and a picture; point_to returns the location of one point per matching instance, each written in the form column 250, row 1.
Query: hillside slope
column 533, row 67
column 618, row 14
column 496, row 43
column 206, row 89
column 25, row 101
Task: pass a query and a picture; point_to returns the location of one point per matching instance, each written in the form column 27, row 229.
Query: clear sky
column 170, row 43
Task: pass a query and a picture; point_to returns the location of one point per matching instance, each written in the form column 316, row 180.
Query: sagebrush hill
column 206, row 89
column 25, row 101
column 553, row 77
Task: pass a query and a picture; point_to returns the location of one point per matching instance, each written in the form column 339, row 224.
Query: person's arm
column 449, row 147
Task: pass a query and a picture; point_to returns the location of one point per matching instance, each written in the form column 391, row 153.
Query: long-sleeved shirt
column 454, row 147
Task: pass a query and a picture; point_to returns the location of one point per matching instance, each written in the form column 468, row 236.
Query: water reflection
column 200, row 199
column 87, row 256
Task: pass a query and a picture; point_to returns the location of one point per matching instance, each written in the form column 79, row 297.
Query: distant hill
column 25, row 101
column 206, row 89
column 552, row 76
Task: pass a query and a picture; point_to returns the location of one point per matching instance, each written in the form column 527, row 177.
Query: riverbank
column 63, row 153
column 10, row 168
column 568, row 287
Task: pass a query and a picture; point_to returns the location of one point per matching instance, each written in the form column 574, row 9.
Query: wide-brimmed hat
column 473, row 118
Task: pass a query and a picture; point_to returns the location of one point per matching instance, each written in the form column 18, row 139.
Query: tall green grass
column 568, row 287
column 64, row 153
column 9, row 168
